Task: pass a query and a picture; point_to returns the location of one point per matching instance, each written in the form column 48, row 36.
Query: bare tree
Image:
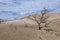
column 40, row 18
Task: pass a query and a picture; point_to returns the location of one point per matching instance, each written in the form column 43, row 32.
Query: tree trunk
column 39, row 27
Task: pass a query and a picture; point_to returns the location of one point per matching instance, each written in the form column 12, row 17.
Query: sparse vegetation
column 49, row 30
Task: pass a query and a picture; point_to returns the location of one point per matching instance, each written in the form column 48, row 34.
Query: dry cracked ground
column 16, row 30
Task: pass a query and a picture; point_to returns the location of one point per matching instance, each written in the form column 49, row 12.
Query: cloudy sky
column 15, row 9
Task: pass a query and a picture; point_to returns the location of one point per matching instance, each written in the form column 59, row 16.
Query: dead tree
column 40, row 18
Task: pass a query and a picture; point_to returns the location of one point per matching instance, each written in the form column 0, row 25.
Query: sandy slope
column 15, row 30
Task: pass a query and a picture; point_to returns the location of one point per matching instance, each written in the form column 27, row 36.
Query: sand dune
column 16, row 30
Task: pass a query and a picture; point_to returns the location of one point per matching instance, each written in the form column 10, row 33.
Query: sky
column 16, row 9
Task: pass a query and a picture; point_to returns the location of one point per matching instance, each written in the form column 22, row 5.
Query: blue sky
column 15, row 9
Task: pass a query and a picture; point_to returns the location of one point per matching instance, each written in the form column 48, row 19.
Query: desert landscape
column 26, row 29
column 29, row 19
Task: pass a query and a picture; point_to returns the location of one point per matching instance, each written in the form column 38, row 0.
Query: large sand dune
column 16, row 30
